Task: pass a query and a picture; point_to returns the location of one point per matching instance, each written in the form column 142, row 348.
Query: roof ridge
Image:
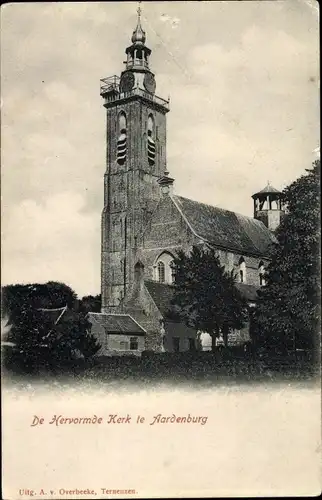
column 62, row 313
column 185, row 217
column 140, row 326
column 48, row 309
column 216, row 206
column 118, row 323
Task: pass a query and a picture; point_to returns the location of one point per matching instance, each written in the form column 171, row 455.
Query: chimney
column 166, row 184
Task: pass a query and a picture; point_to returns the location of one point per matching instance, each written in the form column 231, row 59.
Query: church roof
column 226, row 229
column 162, row 294
column 122, row 324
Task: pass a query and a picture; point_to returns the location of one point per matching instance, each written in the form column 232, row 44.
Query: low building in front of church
column 117, row 334
column 144, row 223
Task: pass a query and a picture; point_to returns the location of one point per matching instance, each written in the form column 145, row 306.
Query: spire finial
column 139, row 11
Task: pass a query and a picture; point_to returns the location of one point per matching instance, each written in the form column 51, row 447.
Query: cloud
column 269, row 57
column 173, row 21
column 53, row 241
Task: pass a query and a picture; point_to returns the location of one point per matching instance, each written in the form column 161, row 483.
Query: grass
column 174, row 368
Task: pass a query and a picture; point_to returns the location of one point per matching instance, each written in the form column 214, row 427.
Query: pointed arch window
column 139, row 271
column 163, row 268
column 161, row 272
column 122, row 139
column 151, row 143
column 242, row 270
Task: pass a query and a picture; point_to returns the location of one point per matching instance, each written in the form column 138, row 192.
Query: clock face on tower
column 127, row 82
column 149, row 82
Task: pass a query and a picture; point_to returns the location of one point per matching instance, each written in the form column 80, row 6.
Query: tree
column 88, row 345
column 42, row 342
column 288, row 309
column 91, row 303
column 28, row 334
column 72, row 334
column 205, row 296
column 36, row 295
column 38, row 337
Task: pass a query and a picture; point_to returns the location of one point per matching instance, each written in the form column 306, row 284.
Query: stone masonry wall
column 168, row 231
column 131, row 193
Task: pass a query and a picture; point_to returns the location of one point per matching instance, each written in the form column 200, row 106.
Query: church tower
column 135, row 160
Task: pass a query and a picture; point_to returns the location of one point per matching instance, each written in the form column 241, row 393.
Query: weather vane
column 139, row 9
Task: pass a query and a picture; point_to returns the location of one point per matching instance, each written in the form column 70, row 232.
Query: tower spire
column 138, row 34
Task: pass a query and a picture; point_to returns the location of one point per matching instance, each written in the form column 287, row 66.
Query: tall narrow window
column 172, row 272
column 151, row 143
column 261, row 272
column 192, row 344
column 176, row 344
column 242, row 270
column 161, row 272
column 134, row 345
column 121, row 142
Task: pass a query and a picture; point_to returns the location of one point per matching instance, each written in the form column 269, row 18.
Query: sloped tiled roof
column 161, row 294
column 116, row 323
column 248, row 291
column 224, row 228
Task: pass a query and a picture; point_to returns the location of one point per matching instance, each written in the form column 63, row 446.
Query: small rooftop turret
column 268, row 206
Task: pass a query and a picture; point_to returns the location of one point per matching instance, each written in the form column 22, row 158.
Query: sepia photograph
column 161, row 285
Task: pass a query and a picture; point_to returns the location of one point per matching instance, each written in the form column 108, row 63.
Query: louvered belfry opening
column 151, row 150
column 121, row 142
column 151, row 143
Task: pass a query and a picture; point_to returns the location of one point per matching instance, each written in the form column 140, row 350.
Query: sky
column 243, row 79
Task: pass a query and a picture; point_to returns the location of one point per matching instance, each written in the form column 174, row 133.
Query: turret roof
column 268, row 189
column 138, row 34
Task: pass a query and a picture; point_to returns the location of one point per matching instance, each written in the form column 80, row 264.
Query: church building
column 144, row 221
